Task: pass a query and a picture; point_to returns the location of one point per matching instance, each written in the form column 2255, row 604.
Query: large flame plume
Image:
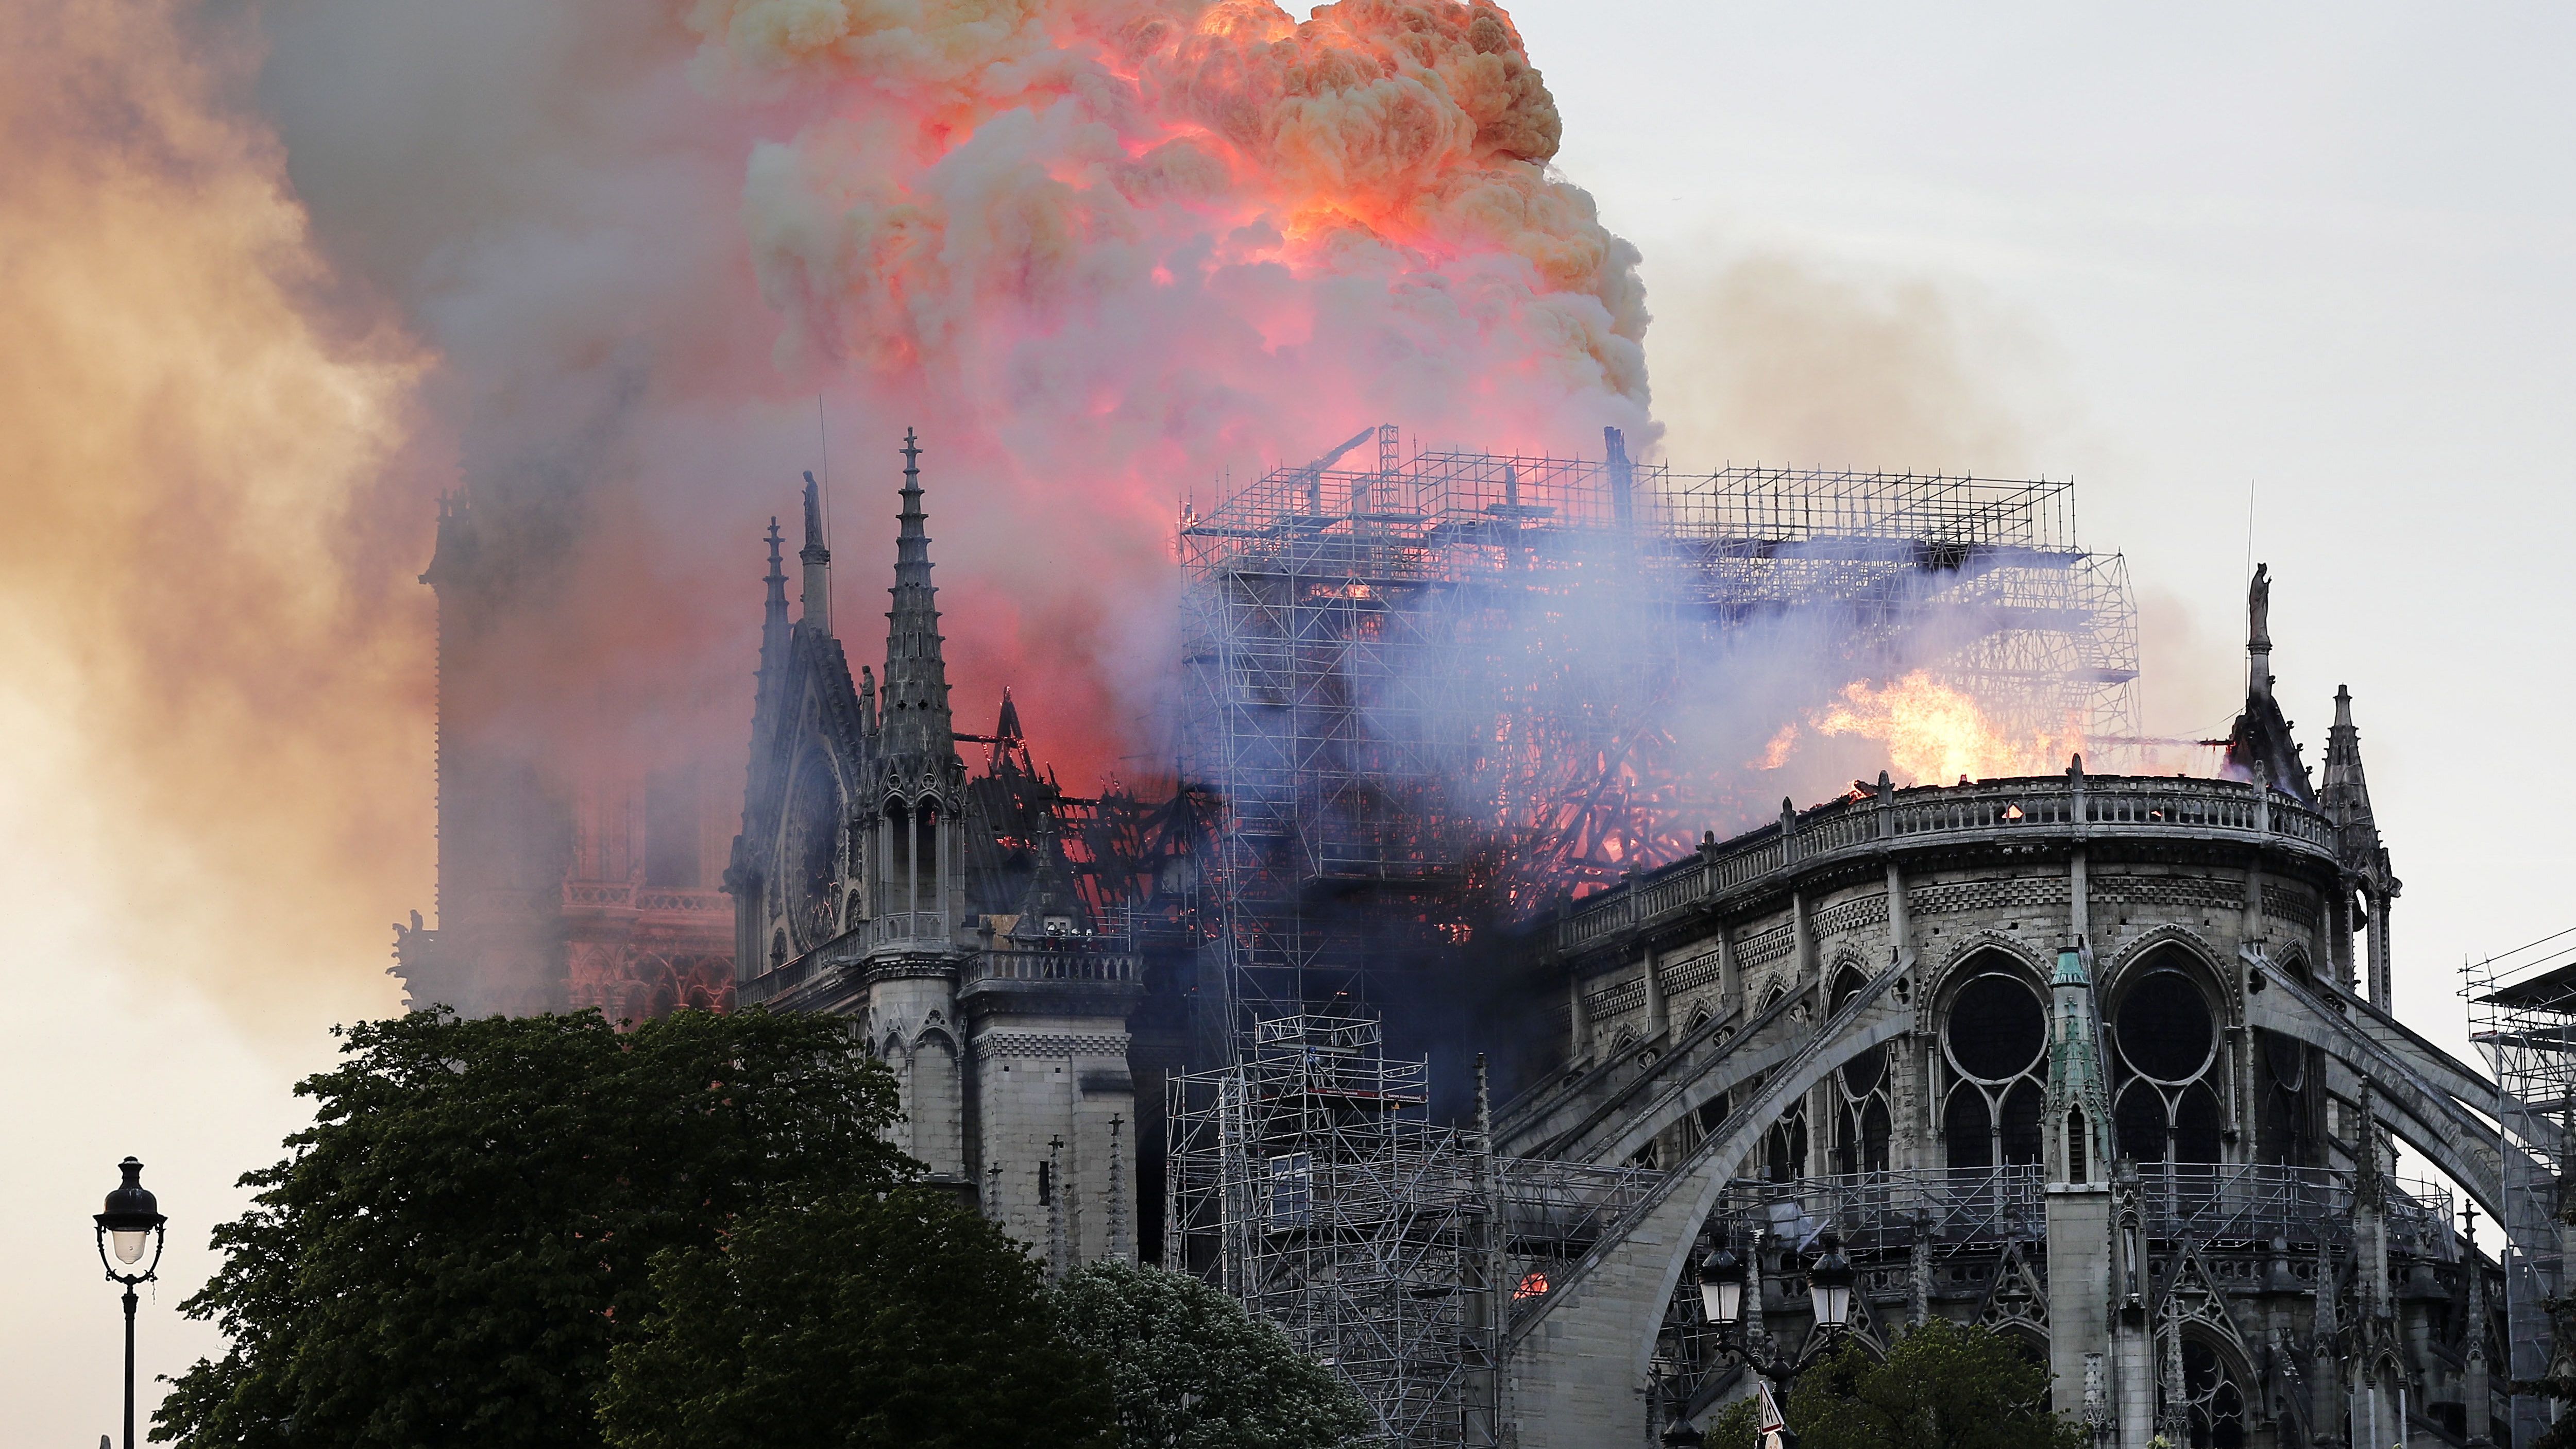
column 1105, row 249
column 1933, row 733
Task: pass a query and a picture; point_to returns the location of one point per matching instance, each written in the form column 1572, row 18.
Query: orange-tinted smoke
column 214, row 668
column 1104, row 252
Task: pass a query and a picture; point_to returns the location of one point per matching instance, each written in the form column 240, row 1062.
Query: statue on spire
column 2258, row 609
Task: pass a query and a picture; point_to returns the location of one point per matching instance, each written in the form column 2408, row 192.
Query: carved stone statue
column 2258, row 606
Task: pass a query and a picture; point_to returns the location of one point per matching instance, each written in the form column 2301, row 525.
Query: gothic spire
column 2346, row 796
column 773, row 608
column 916, row 676
column 2078, row 1102
column 817, row 556
column 776, row 578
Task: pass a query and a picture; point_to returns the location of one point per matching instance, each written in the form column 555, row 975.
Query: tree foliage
column 448, row 1255
column 1943, row 1386
column 859, row 1322
column 1192, row 1370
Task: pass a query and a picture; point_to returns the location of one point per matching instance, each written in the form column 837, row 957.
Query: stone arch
column 682, row 983
column 937, row 1106
column 2432, row 1122
column 2202, row 955
column 1858, row 1130
column 1773, row 1036
column 811, row 812
column 2027, row 1338
column 1938, row 980
column 2293, row 957
column 1620, row 1291
column 2235, row 1371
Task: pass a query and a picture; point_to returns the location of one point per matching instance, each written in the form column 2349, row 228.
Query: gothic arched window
column 1787, row 1148
column 2213, row 1404
column 2284, row 1125
column 1996, row 1041
column 1862, row 1121
column 2165, row 1066
column 813, row 850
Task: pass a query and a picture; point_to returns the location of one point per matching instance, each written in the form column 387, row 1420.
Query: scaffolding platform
column 1436, row 692
column 1308, row 1181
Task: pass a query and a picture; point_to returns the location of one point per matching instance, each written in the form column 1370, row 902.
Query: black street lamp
column 1829, row 1285
column 131, row 1223
column 1722, row 1279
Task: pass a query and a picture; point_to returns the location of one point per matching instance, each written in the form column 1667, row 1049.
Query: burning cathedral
column 1427, row 1017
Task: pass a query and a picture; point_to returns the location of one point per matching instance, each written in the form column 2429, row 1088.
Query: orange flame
column 1934, row 733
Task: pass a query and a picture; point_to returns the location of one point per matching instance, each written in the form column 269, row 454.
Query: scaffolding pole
column 2522, row 1015
column 1307, row 1179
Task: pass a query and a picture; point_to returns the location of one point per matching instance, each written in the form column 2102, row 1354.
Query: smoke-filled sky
column 273, row 276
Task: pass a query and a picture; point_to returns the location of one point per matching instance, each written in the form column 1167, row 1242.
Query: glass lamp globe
column 132, row 1216
column 1829, row 1285
column 1721, row 1286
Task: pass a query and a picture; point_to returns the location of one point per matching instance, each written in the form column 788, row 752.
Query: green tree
column 1944, row 1386
column 448, row 1254
column 1192, row 1370
column 903, row 1321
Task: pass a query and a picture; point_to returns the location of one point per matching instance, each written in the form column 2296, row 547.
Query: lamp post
column 1722, row 1280
column 131, row 1223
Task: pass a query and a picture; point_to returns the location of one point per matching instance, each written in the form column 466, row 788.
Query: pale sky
column 2175, row 253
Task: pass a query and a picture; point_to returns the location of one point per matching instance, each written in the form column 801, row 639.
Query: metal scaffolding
column 1445, row 690
column 2522, row 1015
column 1308, row 1180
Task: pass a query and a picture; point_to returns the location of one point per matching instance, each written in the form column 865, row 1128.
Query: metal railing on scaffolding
column 1984, row 1207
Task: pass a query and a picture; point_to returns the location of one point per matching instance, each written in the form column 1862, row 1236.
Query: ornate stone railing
column 1050, row 964
column 2064, row 807
column 619, row 895
column 908, row 926
column 1882, row 1211
column 771, row 984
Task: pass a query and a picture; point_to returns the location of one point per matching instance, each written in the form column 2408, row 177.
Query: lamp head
column 132, row 1216
column 1721, row 1286
column 1829, row 1283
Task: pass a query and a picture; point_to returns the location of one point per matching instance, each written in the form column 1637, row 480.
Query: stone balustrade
column 2041, row 809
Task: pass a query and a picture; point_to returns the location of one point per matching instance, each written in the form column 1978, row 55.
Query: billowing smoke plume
column 591, row 264
column 1104, row 251
column 214, row 664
